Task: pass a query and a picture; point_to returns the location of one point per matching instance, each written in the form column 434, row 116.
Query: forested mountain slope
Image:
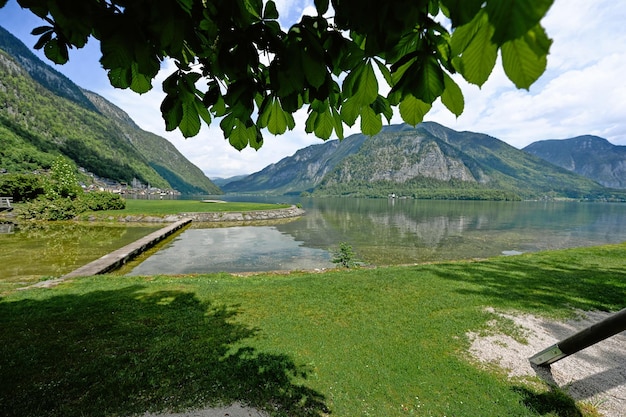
column 43, row 114
column 428, row 161
column 590, row 156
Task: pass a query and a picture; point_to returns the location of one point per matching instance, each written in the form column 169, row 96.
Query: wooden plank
column 119, row 257
column 5, row 203
column 590, row 336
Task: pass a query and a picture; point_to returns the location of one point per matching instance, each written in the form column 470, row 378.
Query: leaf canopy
column 236, row 62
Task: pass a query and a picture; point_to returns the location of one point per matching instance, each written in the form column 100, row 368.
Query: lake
column 57, row 248
column 387, row 232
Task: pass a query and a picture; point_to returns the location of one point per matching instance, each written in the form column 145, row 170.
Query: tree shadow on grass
column 553, row 403
column 124, row 352
column 535, row 285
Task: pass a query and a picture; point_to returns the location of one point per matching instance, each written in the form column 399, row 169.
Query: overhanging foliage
column 235, row 61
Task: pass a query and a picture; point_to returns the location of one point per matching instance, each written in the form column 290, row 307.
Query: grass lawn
column 371, row 342
column 165, row 207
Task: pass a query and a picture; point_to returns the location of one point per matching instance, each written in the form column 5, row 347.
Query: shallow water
column 389, row 232
column 232, row 249
column 40, row 249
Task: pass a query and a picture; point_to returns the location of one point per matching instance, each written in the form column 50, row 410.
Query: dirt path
column 234, row 410
column 596, row 375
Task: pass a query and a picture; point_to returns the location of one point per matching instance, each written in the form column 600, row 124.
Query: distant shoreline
column 216, row 217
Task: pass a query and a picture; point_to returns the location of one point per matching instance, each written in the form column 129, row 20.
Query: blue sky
column 582, row 92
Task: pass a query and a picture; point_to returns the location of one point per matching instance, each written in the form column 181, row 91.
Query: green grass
column 379, row 342
column 165, row 207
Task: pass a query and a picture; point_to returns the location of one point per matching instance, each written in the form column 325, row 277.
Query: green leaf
column 190, row 122
column 186, row 5
column 309, row 126
column 513, row 18
column 140, row 83
column 382, row 106
column 227, row 125
column 115, row 53
column 172, row 111
column 350, row 110
column 429, row 83
column 45, row 38
column 479, row 57
column 314, row 69
column 338, row 123
column 203, row 112
column 385, row 72
column 413, row 110
column 253, row 7
column 367, row 85
column 120, row 77
column 41, row 30
column 321, row 6
column 452, row 96
column 538, row 41
column 462, row 11
column 170, row 84
column 219, row 108
column 270, row 12
column 463, row 35
column 325, row 124
column 349, row 83
column 56, row 51
column 371, row 123
column 241, row 136
column 278, row 120
column 521, row 64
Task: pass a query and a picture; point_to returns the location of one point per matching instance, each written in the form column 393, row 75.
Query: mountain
column 427, row 161
column 44, row 114
column 590, row 156
column 301, row 172
column 220, row 181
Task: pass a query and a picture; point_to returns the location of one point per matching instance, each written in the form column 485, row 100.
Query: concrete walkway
column 119, row 257
column 116, row 258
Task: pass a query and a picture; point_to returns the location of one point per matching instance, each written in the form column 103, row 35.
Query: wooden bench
column 5, row 203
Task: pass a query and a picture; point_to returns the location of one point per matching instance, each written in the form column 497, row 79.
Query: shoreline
column 213, row 216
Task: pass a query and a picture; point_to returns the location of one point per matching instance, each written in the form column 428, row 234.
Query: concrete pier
column 119, row 257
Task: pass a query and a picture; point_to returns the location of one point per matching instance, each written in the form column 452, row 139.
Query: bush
column 66, row 208
column 43, row 208
column 62, row 181
column 103, row 201
column 344, row 256
column 22, row 187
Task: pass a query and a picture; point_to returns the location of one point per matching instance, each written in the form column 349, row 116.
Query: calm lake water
column 56, row 248
column 387, row 232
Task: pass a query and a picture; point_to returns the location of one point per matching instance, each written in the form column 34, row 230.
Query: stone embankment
column 247, row 216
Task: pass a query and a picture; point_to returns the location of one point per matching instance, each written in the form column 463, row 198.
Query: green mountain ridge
column 426, row 161
column 591, row 156
column 43, row 115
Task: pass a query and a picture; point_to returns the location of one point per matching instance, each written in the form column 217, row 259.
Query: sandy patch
column 234, row 410
column 596, row 375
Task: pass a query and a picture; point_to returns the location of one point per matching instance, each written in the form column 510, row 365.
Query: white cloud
column 582, row 92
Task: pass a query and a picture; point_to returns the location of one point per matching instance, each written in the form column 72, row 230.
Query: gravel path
column 596, row 375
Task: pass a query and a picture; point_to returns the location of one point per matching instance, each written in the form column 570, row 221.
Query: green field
column 165, row 207
column 370, row 342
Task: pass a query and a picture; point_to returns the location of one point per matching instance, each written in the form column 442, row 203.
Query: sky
column 583, row 90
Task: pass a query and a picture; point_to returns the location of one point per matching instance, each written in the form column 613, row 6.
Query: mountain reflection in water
column 388, row 232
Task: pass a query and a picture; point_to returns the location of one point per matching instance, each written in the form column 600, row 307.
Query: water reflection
column 406, row 231
column 232, row 249
column 385, row 232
